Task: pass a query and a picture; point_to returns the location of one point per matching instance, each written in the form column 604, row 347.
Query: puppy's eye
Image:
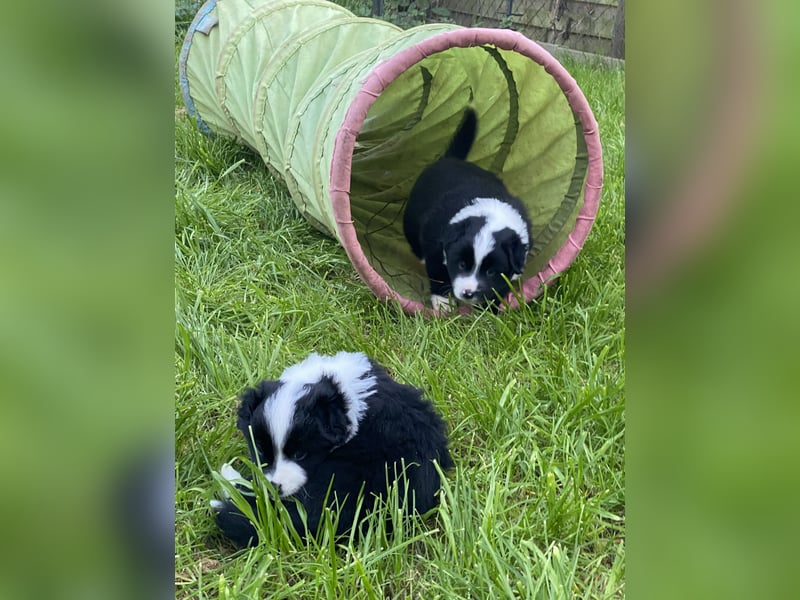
column 491, row 272
column 297, row 455
column 462, row 265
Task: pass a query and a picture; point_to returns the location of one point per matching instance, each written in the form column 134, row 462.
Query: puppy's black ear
column 326, row 405
column 519, row 255
column 251, row 399
column 516, row 251
column 454, row 233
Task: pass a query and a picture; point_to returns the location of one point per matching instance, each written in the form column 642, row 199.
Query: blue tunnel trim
column 199, row 23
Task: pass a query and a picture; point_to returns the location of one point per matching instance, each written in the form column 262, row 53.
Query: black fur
column 441, row 191
column 398, row 427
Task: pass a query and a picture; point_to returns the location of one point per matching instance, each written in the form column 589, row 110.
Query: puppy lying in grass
column 330, row 429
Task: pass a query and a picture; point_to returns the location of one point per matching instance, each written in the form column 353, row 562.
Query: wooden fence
column 596, row 26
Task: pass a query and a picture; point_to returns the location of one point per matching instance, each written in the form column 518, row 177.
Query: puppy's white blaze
column 498, row 215
column 482, row 245
column 287, row 475
column 279, row 411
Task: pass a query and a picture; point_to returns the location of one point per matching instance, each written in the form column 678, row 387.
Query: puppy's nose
column 270, row 478
column 468, row 294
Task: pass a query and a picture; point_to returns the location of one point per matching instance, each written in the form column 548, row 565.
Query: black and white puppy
column 338, row 422
column 466, row 227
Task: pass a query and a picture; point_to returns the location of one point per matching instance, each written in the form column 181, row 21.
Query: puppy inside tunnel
column 349, row 111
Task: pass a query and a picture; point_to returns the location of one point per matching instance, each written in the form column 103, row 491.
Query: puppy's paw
column 441, row 304
column 231, row 474
column 234, row 524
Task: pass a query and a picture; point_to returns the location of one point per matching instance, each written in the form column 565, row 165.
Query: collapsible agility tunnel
column 349, row 110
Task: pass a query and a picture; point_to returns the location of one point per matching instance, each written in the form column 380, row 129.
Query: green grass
column 533, row 398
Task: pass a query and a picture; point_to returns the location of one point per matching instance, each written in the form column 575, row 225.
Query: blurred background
column 86, row 300
column 86, row 294
column 712, row 445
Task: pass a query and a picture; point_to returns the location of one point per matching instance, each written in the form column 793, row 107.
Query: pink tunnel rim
column 384, row 74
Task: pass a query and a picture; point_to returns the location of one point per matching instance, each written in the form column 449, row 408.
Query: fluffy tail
column 464, row 137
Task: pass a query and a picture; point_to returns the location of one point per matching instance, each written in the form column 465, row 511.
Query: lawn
column 534, row 398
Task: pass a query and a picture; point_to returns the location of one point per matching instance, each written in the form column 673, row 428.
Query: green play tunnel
column 348, row 111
